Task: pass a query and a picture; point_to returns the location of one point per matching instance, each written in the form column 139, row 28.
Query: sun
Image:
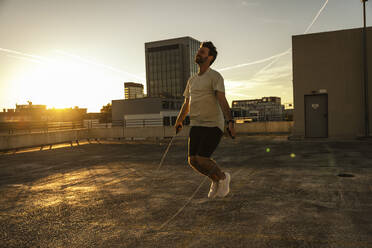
column 62, row 83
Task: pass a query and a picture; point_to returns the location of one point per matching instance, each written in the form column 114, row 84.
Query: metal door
column 316, row 116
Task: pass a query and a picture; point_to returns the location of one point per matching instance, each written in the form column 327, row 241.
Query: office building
column 169, row 64
column 328, row 84
column 133, row 90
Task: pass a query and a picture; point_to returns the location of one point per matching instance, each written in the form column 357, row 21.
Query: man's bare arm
column 184, row 111
column 226, row 112
column 224, row 105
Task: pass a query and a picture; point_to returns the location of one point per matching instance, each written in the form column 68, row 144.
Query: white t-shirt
column 205, row 109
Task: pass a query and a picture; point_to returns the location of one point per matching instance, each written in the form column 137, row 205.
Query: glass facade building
column 169, row 64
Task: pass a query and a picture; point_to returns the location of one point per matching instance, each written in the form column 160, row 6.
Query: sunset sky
column 66, row 53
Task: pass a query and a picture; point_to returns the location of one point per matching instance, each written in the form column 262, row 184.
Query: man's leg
column 203, row 141
column 207, row 167
column 209, row 164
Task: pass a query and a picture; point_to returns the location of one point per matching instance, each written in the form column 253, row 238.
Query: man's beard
column 200, row 60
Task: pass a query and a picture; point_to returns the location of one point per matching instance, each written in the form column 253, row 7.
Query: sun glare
column 62, row 83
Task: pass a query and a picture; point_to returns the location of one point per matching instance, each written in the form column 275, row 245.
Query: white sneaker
column 224, row 186
column 213, row 190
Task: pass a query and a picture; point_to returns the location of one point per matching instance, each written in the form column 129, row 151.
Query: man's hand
column 182, row 115
column 231, row 130
column 178, row 126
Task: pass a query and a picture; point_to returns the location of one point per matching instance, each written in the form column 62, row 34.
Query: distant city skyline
column 79, row 53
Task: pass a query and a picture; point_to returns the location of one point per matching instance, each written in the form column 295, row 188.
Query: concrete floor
column 283, row 194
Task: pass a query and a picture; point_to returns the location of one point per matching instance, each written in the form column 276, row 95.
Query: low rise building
column 264, row 109
column 133, row 90
column 36, row 113
column 148, row 111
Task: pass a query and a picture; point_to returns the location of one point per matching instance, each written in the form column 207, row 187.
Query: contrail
column 26, row 59
column 42, row 60
column 35, row 57
column 98, row 64
column 307, row 30
column 255, row 62
column 273, row 62
column 316, row 17
column 277, row 56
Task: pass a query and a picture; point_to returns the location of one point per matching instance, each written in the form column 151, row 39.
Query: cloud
column 248, row 4
column 272, row 81
column 276, row 21
column 240, row 87
column 275, row 74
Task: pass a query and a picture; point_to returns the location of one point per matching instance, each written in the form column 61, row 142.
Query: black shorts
column 203, row 141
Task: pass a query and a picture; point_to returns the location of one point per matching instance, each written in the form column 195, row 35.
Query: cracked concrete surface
column 110, row 195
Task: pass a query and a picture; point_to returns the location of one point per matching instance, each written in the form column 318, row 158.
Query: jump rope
column 178, row 129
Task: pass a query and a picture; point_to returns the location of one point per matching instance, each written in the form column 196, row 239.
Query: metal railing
column 96, row 124
column 9, row 128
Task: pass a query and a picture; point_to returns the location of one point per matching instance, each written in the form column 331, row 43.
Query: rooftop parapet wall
column 18, row 141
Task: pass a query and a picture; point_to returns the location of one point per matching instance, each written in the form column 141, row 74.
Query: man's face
column 202, row 56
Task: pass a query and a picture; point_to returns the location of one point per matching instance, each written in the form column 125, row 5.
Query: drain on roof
column 345, row 175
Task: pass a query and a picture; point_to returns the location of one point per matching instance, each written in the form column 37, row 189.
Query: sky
column 66, row 53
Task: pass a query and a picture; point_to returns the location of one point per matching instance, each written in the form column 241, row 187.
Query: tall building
column 133, row 90
column 169, row 64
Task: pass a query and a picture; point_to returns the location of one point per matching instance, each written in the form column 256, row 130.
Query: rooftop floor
column 283, row 194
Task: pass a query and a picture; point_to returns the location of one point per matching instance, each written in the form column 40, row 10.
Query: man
column 206, row 102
